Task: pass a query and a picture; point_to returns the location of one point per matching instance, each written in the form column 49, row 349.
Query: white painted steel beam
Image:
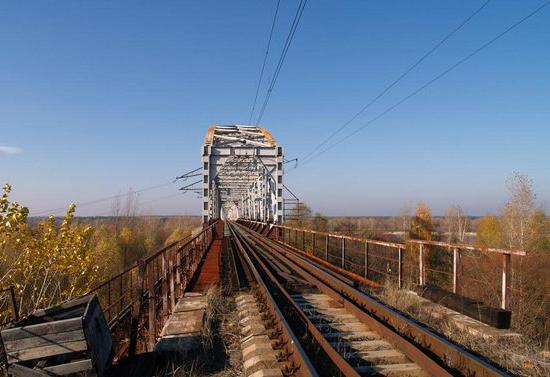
column 242, row 174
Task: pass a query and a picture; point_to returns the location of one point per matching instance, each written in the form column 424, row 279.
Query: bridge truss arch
column 242, row 174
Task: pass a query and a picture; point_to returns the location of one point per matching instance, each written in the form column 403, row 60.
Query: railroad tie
column 259, row 357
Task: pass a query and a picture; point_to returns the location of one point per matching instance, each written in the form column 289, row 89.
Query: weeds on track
column 517, row 354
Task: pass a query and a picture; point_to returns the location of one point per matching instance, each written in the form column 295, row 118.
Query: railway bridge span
column 305, row 299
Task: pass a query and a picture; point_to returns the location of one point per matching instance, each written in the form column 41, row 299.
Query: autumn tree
column 436, row 259
column 405, row 219
column 346, row 225
column 488, row 232
column 46, row 265
column 456, row 223
column 299, row 215
column 13, row 221
column 421, row 224
column 319, row 223
column 518, row 210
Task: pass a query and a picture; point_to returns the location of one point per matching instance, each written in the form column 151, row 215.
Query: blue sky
column 98, row 97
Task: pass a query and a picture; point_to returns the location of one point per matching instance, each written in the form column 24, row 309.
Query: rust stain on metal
column 209, row 274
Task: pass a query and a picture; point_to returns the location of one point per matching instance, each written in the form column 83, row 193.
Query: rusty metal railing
column 478, row 273
column 137, row 301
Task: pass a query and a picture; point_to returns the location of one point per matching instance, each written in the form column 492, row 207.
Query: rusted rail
column 433, row 353
column 416, row 262
column 300, row 365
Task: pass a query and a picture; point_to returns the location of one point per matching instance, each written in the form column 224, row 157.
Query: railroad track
column 340, row 330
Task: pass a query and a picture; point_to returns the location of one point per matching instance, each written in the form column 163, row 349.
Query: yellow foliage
column 176, row 235
column 49, row 264
column 421, row 225
column 126, row 235
column 488, row 232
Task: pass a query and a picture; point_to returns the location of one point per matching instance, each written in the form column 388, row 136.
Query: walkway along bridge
column 303, row 296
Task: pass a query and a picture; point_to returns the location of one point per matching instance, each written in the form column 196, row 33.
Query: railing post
column 136, row 309
column 303, row 240
column 455, row 270
column 172, row 291
column 109, row 300
column 152, row 306
column 164, row 286
column 366, row 260
column 120, row 293
column 13, row 304
column 178, row 273
column 421, row 265
column 506, row 261
column 326, row 248
column 131, row 282
column 312, row 243
column 343, row 252
column 400, row 268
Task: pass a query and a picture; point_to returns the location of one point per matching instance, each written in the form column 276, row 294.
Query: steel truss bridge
column 242, row 174
column 307, row 293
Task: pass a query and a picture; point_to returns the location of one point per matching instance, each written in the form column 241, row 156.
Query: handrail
column 464, row 246
column 135, row 265
column 154, row 284
column 401, row 245
column 395, row 264
column 342, row 236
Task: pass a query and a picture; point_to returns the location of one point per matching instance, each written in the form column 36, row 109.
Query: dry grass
column 516, row 354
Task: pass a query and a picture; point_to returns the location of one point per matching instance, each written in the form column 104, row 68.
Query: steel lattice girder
column 242, row 175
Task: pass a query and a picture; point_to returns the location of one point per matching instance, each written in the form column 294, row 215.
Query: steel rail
column 335, row 270
column 300, row 360
column 419, row 343
column 339, row 361
column 345, row 368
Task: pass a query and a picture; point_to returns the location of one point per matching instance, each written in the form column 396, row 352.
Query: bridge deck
column 209, row 274
column 182, row 331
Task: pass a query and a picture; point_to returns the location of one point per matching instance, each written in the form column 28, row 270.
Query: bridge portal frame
column 242, row 169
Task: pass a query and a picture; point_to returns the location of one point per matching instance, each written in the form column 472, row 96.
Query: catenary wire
column 282, row 58
column 96, row 201
column 265, row 60
column 397, row 80
column 433, row 80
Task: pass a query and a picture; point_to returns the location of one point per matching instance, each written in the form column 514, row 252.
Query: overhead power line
column 433, row 80
column 141, row 204
column 265, row 60
column 288, row 42
column 101, row 200
column 397, row 80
